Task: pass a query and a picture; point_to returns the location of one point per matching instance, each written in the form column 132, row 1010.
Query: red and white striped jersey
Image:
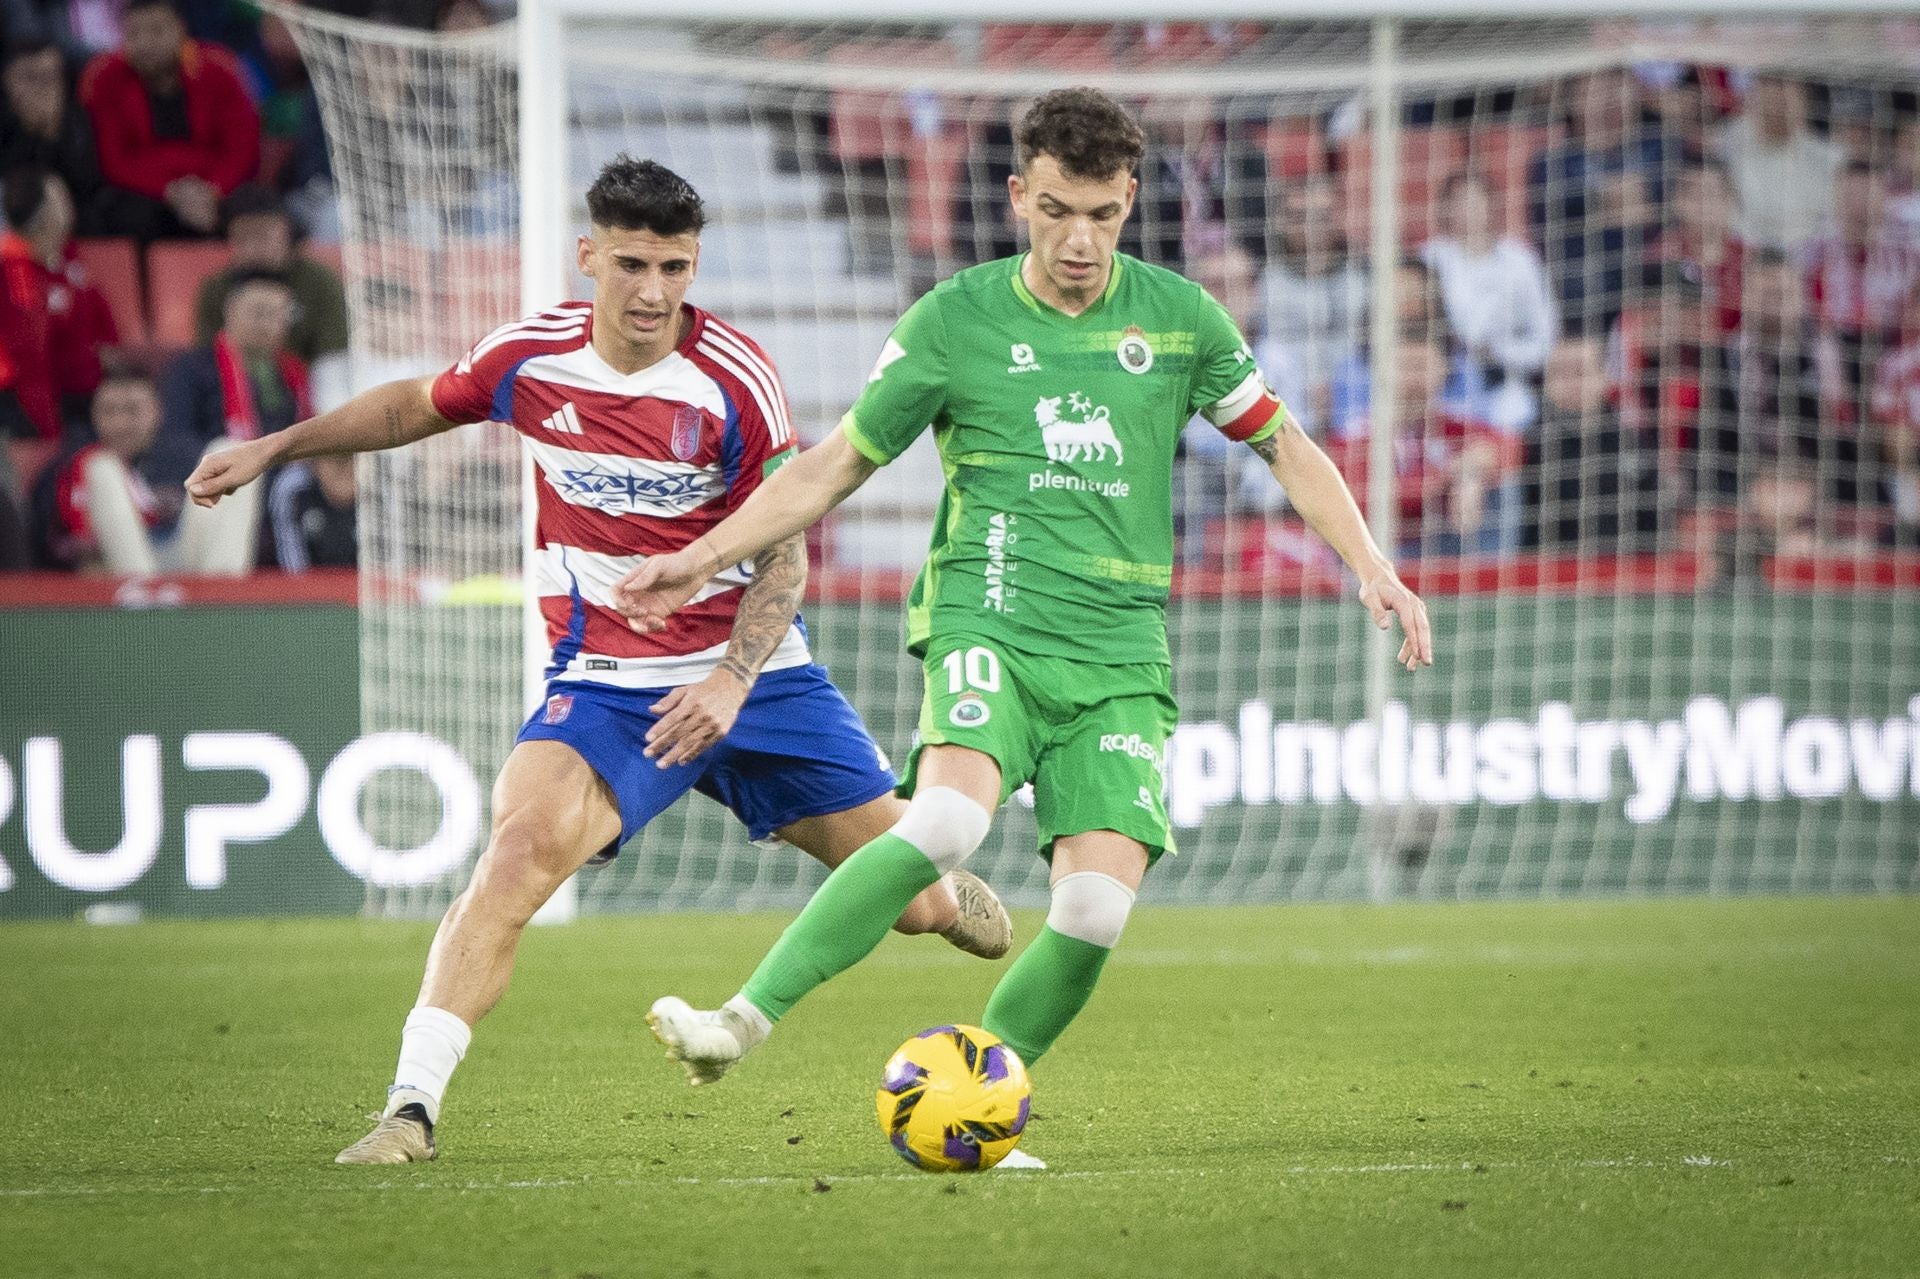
column 627, row 466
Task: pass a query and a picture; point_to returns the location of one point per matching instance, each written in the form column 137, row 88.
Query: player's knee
column 944, row 824
column 518, row 872
column 1090, row 906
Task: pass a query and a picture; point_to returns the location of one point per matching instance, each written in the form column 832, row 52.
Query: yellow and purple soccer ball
column 954, row 1099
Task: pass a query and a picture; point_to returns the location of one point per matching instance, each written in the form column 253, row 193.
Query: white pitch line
column 347, row 1184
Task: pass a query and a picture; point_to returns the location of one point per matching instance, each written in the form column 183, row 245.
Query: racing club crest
column 559, row 706
column 1135, row 352
column 686, row 432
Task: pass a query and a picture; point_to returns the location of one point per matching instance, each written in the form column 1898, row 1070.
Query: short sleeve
column 906, row 390
column 1228, row 388
column 464, row 393
column 480, row 387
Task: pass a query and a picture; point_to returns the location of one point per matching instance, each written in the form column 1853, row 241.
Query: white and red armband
column 1247, row 410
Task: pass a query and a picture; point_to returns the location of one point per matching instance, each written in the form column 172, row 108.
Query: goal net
column 1612, row 325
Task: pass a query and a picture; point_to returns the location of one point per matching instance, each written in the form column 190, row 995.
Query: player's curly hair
column 1088, row 133
column 640, row 195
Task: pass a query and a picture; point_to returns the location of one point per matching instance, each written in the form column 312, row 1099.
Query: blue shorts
column 797, row 750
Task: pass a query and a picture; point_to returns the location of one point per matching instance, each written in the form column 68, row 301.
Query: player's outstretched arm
column 384, row 418
column 791, row 500
column 1321, row 496
column 695, row 716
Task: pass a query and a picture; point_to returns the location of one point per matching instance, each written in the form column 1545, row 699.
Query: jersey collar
column 1038, row 307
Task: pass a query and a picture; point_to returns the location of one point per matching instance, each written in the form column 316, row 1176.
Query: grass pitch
column 1657, row 1088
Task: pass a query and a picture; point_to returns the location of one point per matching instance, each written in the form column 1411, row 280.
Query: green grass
column 1663, row 1088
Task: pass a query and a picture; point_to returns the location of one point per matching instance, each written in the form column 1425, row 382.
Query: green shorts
column 1091, row 739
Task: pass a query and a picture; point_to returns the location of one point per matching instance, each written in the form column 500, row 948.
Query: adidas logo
column 564, row 419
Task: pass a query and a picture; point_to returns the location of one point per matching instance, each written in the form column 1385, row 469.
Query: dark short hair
column 252, row 200
column 125, row 375
column 1768, row 256
column 641, row 195
column 25, row 193
column 1086, row 132
column 28, row 47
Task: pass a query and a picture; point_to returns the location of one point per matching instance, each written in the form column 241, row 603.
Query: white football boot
column 706, row 1043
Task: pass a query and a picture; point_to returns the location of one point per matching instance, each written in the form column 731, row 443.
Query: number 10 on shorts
column 976, row 668
column 970, row 673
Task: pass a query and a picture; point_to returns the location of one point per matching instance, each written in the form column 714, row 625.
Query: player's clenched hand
column 693, row 717
column 1387, row 597
column 654, row 591
column 228, row 470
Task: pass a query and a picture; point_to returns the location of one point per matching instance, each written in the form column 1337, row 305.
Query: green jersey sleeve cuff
column 862, row 443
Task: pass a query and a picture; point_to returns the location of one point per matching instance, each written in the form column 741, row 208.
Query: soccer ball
column 954, row 1099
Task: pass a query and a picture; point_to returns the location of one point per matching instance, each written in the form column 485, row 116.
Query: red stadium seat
column 1427, row 157
column 1295, row 147
column 175, row 271
column 114, row 267
column 873, row 125
column 933, row 179
column 1052, row 45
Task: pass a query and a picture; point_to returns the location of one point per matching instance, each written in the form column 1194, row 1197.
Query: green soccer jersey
column 1055, row 530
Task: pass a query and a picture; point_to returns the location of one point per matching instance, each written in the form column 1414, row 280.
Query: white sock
column 431, row 1045
column 753, row 1025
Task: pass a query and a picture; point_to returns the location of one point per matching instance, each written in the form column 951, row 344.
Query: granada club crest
column 686, row 432
column 559, row 706
column 1136, row 354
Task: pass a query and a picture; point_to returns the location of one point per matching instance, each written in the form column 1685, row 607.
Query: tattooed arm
column 1321, row 496
column 767, row 608
column 384, row 418
column 696, row 716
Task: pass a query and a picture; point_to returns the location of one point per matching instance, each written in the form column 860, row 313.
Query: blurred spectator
column 1656, row 360
column 1859, row 276
column 1783, row 174
column 78, row 29
column 96, row 513
column 1896, row 424
column 243, row 384
column 1420, row 316
column 1454, row 475
column 41, row 125
column 1903, row 183
column 1497, row 302
column 1315, row 301
column 1607, row 136
column 263, row 237
column 173, row 121
column 1851, row 124
column 310, row 515
column 1768, row 391
column 1699, row 237
column 55, row 327
column 1589, row 483
column 1200, row 178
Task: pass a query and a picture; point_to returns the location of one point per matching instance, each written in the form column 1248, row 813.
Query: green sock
column 1044, row 990
column 842, row 924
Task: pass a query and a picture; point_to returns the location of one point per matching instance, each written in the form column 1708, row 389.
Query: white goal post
column 1678, row 704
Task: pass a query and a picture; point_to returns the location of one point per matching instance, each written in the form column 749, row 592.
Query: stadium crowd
column 1639, row 310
